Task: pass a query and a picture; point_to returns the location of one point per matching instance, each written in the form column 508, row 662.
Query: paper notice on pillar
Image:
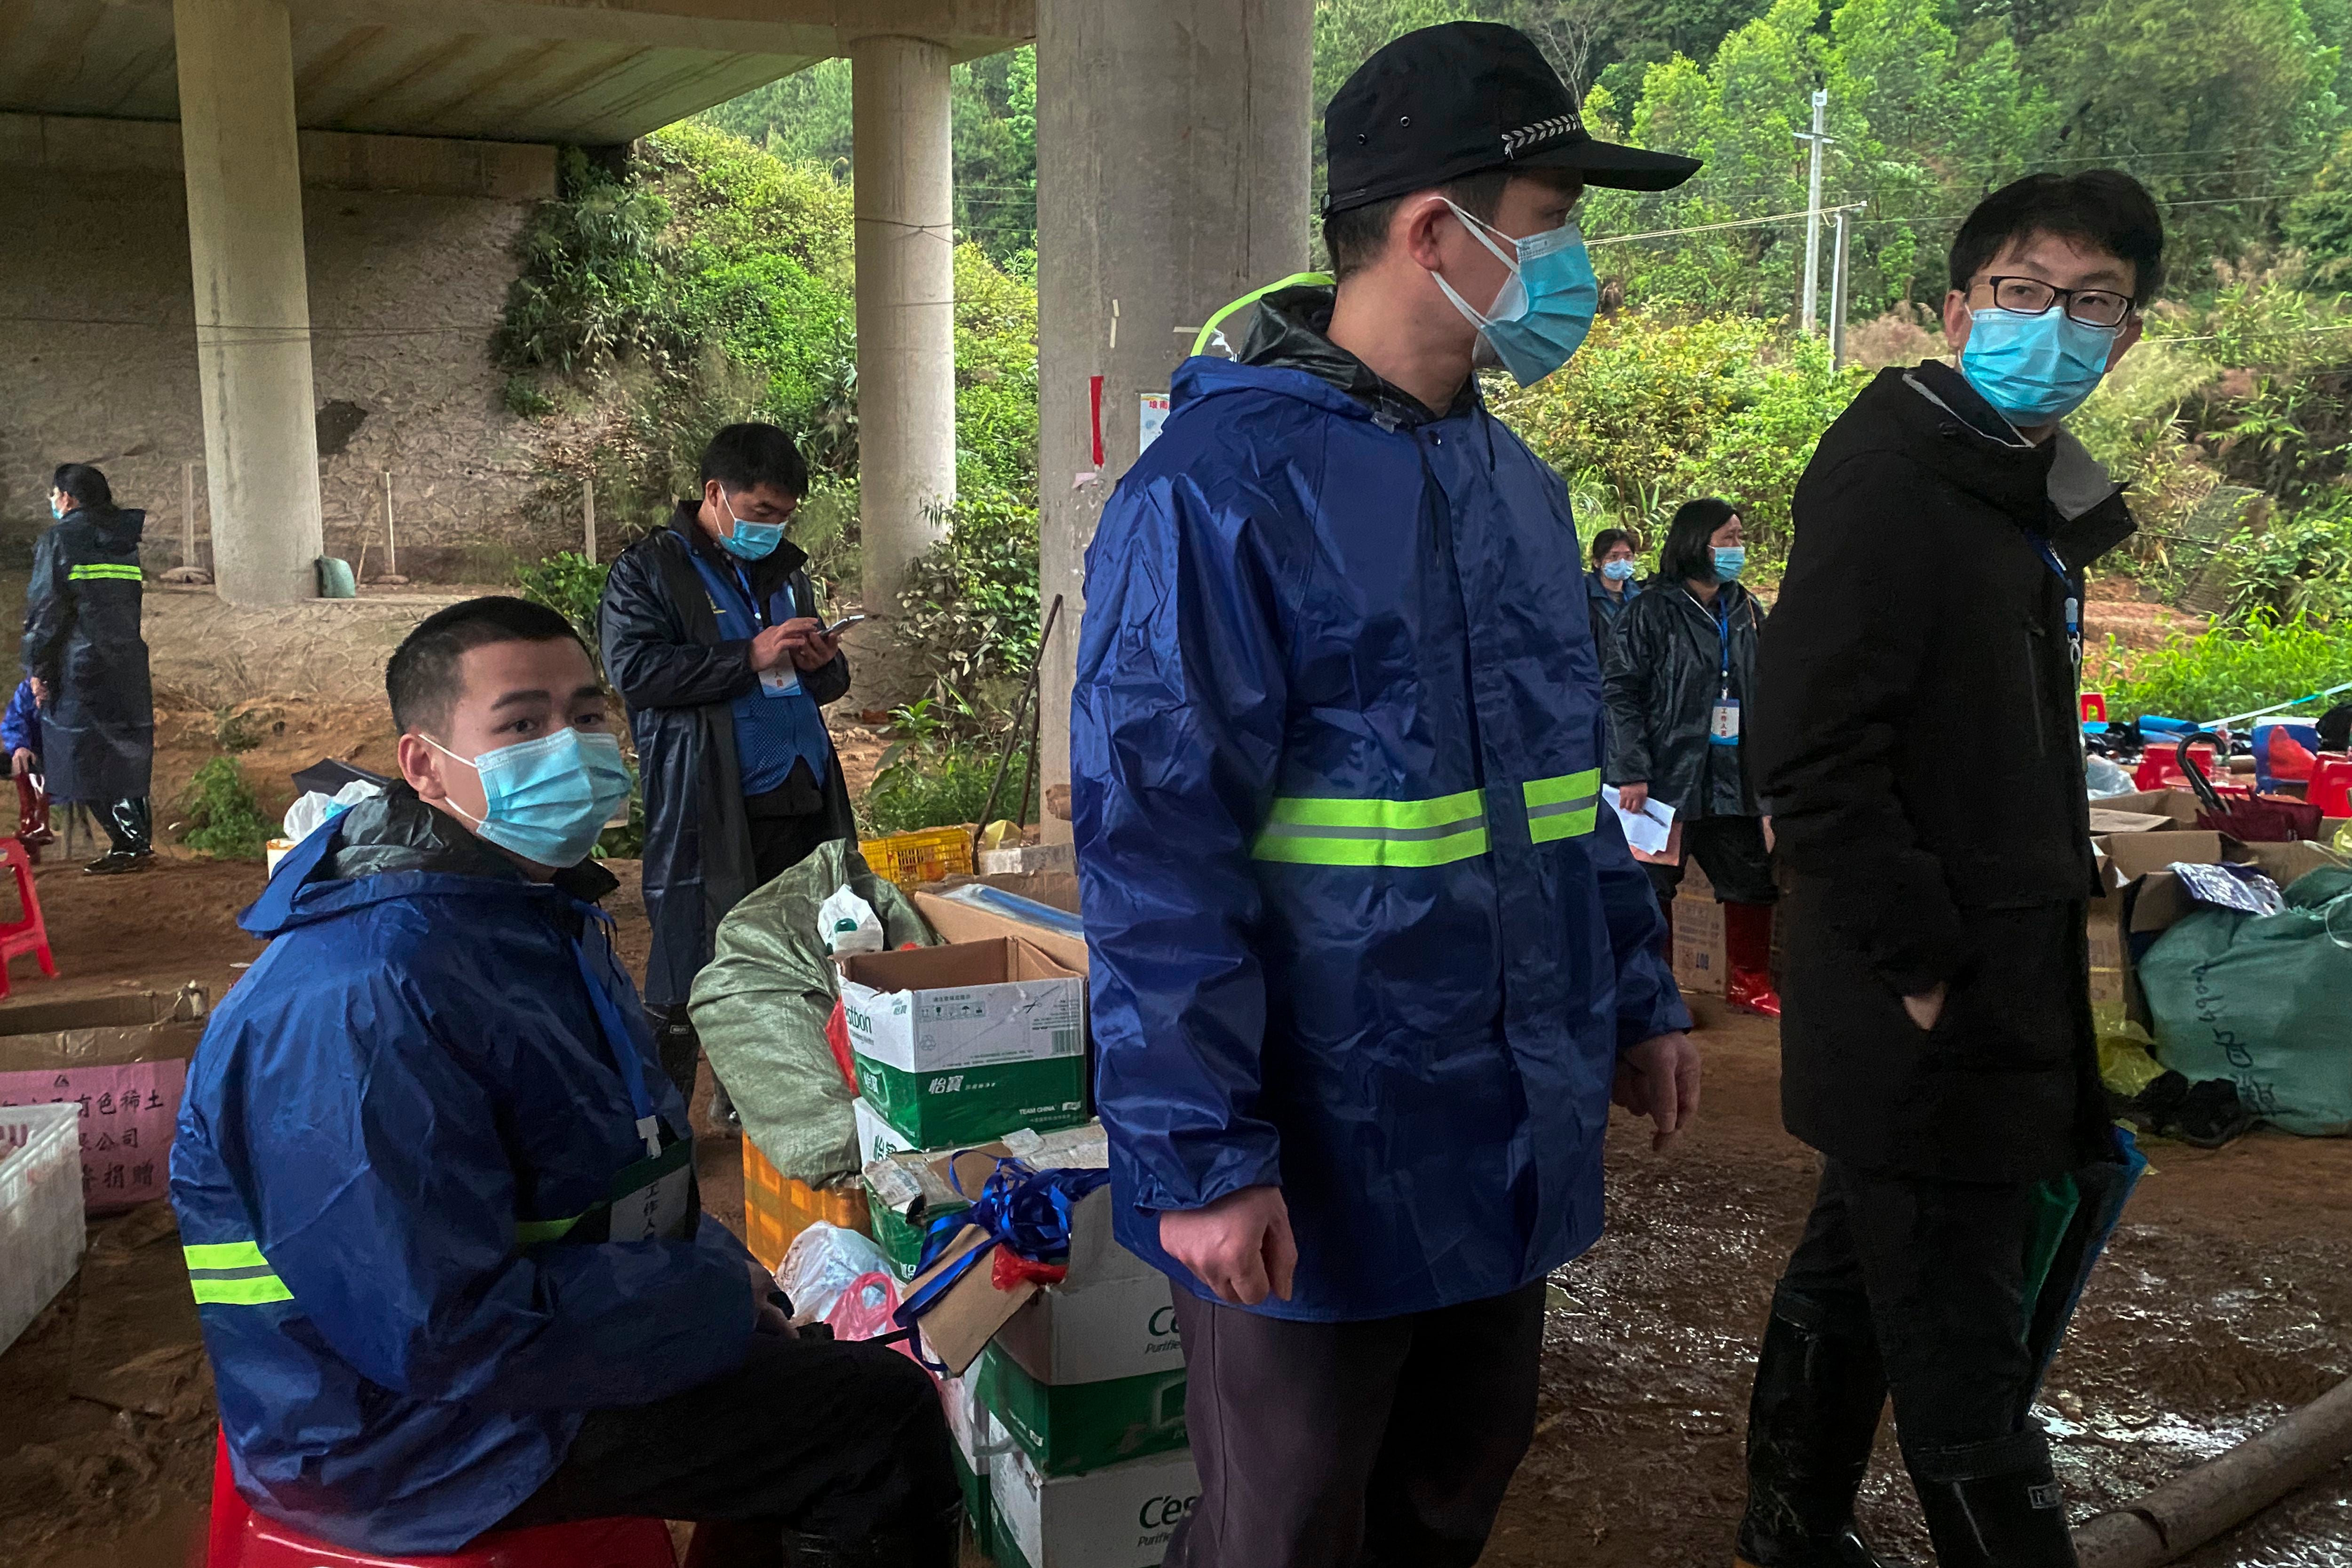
column 1148, row 423
column 1647, row 830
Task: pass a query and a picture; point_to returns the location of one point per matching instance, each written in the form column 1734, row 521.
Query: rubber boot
column 1747, row 943
column 1812, row 1421
column 937, row 1543
column 126, row 823
column 32, row 819
column 1994, row 1505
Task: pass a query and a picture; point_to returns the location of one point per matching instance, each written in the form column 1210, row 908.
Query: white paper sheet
column 1647, row 829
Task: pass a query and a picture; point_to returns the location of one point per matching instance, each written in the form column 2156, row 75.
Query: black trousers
column 1936, row 1272
column 1355, row 1444
column 127, row 824
column 835, row 1440
column 1730, row 850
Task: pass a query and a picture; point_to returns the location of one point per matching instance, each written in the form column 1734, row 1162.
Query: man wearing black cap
column 1368, row 959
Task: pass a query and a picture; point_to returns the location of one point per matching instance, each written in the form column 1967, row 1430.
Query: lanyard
column 618, row 1034
column 2074, row 598
column 1721, row 616
column 738, row 579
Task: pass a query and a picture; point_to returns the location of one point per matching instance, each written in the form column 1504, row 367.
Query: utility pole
column 1820, row 140
column 1837, row 293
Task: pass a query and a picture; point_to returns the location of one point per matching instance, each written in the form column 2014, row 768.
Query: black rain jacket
column 663, row 655
column 82, row 637
column 1916, row 739
column 1661, row 670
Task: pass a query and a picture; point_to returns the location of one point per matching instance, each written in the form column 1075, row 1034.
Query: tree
column 2320, row 223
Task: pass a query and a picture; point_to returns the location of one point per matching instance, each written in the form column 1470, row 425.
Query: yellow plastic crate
column 925, row 856
column 775, row 1210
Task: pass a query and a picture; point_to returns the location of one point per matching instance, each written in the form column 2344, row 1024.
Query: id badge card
column 782, row 682
column 1723, row 722
column 654, row 1199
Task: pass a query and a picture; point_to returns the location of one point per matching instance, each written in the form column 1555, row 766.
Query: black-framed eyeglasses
column 2031, row 296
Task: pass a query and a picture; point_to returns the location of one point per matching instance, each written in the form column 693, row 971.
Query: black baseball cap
column 1464, row 97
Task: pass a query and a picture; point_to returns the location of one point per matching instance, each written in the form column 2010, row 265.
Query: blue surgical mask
column 1545, row 307
column 548, row 800
column 1617, row 571
column 2034, row 369
column 1729, row 560
column 748, row 541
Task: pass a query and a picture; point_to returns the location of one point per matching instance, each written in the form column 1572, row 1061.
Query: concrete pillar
column 1171, row 178
column 253, row 299
column 905, row 304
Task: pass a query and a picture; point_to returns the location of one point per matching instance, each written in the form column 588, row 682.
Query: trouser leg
column 1944, row 1264
column 1813, row 1416
column 127, row 825
column 1464, row 1416
column 680, row 1048
column 841, row 1448
column 1341, row 1445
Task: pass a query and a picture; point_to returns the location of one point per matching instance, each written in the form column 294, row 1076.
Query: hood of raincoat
column 389, row 1172
column 1357, row 925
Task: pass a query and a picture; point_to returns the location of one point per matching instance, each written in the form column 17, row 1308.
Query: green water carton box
column 974, row 1434
column 877, row 1139
column 965, row 1043
column 1117, row 1517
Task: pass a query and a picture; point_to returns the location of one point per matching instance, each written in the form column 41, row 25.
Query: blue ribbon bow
column 1025, row 1210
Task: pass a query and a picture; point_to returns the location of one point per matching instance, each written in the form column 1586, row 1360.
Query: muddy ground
column 2225, row 1301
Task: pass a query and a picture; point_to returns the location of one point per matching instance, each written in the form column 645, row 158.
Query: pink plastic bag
column 862, row 1310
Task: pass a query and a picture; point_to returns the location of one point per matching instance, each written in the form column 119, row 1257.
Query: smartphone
column 842, row 625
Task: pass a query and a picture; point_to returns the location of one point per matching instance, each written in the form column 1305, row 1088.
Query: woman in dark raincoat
column 87, row 664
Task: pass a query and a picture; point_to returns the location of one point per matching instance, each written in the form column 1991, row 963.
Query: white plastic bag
column 307, row 814
column 847, row 923
column 821, row 1262
column 2105, row 779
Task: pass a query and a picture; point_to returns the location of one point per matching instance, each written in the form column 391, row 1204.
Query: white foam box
column 1121, row 1517
column 1111, row 1318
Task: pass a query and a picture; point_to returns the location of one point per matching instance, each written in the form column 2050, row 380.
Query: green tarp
column 761, row 1003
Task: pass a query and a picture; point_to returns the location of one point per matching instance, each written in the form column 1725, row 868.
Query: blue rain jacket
column 386, row 1125
column 21, row 724
column 1356, row 924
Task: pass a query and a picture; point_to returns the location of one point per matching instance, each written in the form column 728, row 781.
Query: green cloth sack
column 2264, row 1001
column 761, row 1003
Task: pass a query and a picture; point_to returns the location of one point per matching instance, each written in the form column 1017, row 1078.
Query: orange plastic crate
column 775, row 1209
column 926, row 856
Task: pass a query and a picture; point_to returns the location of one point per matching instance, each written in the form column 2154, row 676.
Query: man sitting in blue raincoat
column 437, row 1195
column 1367, row 955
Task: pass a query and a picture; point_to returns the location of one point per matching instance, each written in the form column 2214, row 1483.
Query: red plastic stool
column 241, row 1537
column 30, row 935
column 2330, row 788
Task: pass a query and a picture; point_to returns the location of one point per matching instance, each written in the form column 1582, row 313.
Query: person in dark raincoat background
column 710, row 635
column 1608, row 587
column 1681, row 671
column 87, row 664
column 1368, row 958
column 20, row 737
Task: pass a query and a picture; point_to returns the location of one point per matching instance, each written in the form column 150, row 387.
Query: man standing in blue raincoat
column 437, row 1195
column 1368, row 958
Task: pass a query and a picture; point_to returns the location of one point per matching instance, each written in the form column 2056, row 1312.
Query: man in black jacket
column 1917, row 735
column 710, row 635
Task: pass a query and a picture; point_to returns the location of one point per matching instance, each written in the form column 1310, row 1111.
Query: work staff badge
column 1723, row 722
column 654, row 1199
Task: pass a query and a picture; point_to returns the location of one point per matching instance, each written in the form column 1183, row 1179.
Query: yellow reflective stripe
column 531, row 1232
column 223, row 1255
column 1200, row 343
column 102, row 569
column 1567, row 806
column 1315, row 831
column 233, row 1273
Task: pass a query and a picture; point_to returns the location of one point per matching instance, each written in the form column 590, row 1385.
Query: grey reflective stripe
column 1562, row 808
column 1394, row 835
column 259, row 1271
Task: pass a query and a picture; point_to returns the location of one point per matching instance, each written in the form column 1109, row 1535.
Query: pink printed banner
column 127, row 1115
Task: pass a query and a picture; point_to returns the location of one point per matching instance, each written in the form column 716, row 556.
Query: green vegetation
column 571, row 584
column 224, row 820
column 2233, row 669
column 936, row 775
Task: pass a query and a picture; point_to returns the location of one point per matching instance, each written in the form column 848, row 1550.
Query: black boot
column 127, row 825
column 1994, row 1505
column 1811, row 1425
column 935, row 1545
column 680, row 1048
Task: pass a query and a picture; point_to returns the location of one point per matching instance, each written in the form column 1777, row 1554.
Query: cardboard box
column 1121, row 1517
column 2140, row 898
column 125, row 1059
column 1071, row 1429
column 958, row 922
column 1702, row 959
column 974, row 1434
column 907, row 1192
column 877, row 1139
column 900, row 1238
column 966, row 1042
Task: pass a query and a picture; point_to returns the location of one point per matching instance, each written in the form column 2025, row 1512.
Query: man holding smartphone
column 710, row 634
